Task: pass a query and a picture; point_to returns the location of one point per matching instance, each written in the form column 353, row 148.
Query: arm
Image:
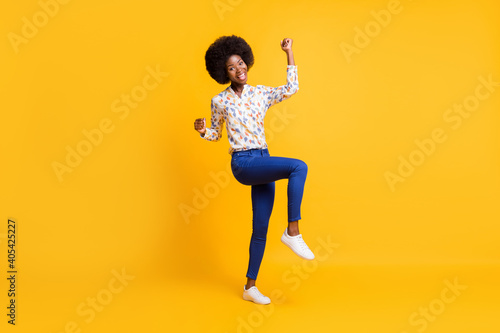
column 276, row 95
column 214, row 133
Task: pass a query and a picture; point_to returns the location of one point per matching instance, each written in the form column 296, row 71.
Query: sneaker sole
column 251, row 300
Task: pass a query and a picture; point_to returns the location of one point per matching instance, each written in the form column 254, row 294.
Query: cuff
column 207, row 132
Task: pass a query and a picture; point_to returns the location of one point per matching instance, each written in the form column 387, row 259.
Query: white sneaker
column 297, row 245
column 253, row 294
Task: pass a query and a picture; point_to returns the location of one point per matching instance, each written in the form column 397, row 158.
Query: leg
column 262, row 206
column 267, row 169
column 262, row 169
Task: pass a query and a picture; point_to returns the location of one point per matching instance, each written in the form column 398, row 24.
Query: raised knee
column 301, row 167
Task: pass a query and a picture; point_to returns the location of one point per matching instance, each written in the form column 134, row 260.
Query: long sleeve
column 214, row 133
column 278, row 94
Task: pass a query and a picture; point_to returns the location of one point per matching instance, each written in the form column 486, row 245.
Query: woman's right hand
column 200, row 125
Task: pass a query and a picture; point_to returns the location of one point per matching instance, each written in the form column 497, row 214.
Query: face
column 236, row 69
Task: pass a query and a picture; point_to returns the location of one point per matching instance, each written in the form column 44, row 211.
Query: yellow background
column 122, row 207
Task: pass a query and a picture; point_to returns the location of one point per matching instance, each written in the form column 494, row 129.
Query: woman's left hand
column 286, row 44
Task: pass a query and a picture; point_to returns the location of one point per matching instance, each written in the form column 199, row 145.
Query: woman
column 243, row 108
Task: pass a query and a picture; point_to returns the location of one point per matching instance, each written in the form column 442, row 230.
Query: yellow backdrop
column 127, row 221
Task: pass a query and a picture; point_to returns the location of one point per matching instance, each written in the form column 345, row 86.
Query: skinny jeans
column 256, row 168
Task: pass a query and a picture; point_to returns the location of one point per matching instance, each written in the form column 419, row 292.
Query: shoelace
column 258, row 294
column 302, row 244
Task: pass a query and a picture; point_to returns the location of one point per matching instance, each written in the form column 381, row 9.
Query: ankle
column 250, row 284
column 292, row 231
column 293, row 228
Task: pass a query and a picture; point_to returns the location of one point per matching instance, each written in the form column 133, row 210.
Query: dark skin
column 236, row 70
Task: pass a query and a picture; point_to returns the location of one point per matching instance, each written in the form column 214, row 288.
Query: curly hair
column 220, row 50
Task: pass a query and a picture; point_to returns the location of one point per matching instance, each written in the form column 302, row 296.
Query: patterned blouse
column 244, row 116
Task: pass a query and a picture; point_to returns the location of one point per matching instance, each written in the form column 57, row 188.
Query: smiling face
column 236, row 70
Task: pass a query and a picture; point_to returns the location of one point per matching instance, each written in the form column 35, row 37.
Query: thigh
column 263, row 169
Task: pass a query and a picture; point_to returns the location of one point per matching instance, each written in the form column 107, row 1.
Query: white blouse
column 244, row 116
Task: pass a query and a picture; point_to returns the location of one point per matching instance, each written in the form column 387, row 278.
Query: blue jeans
column 257, row 168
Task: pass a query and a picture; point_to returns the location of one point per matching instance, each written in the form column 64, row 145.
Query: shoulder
column 250, row 89
column 218, row 99
column 262, row 89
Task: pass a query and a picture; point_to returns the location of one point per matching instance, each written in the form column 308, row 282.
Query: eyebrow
column 233, row 64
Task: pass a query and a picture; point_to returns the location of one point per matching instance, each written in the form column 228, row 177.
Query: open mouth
column 242, row 76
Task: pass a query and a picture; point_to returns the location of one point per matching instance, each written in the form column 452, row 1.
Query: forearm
column 212, row 134
column 290, row 59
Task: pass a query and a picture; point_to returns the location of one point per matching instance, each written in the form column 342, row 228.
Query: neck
column 237, row 87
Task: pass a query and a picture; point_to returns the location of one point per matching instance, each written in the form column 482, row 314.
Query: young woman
column 243, row 107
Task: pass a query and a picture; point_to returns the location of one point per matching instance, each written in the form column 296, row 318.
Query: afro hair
column 221, row 50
